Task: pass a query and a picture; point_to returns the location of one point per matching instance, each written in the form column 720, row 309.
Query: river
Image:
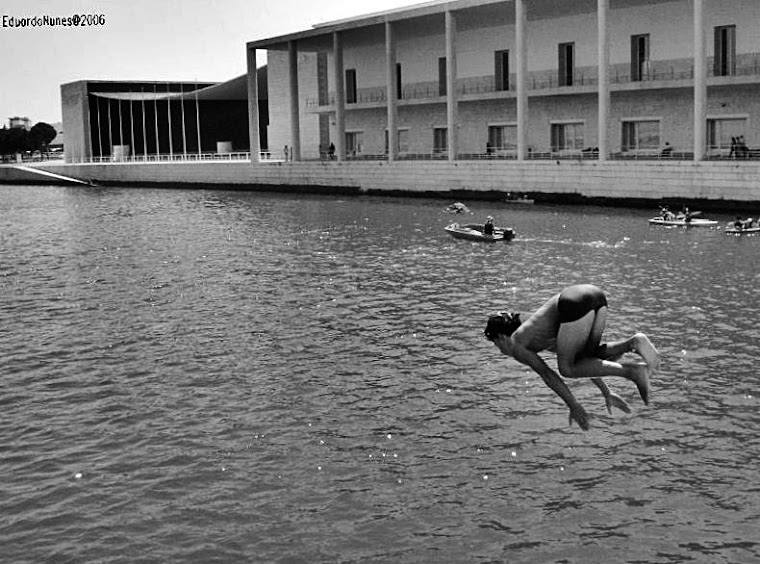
column 212, row 376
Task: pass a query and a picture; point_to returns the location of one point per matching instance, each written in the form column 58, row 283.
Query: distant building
column 20, row 123
column 156, row 120
column 56, row 146
column 601, row 79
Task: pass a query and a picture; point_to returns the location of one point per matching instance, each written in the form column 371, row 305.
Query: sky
column 182, row 40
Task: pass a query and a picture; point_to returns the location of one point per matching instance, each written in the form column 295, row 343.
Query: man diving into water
column 571, row 324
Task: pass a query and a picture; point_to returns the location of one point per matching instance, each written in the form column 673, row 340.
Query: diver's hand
column 614, row 400
column 581, row 417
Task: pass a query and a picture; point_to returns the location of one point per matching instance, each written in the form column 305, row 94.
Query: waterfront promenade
column 711, row 184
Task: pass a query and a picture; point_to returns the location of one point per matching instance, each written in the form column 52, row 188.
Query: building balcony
column 673, row 73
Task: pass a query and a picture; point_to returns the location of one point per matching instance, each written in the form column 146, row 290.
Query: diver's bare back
column 539, row 332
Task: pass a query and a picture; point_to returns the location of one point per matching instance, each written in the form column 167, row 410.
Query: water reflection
column 295, row 378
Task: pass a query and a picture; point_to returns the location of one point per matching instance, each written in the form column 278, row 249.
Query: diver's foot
column 614, row 400
column 641, row 379
column 644, row 347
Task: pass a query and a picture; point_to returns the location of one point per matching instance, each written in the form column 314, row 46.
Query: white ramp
column 51, row 174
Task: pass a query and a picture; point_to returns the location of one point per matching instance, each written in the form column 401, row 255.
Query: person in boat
column 571, row 325
column 666, row 214
column 741, row 224
column 488, row 227
column 686, row 215
column 457, row 207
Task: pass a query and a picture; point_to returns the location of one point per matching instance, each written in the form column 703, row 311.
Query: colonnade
column 521, row 93
column 131, row 97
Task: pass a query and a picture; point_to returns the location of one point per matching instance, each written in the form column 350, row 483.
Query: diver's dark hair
column 502, row 324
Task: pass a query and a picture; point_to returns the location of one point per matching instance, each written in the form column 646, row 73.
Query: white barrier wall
column 728, row 181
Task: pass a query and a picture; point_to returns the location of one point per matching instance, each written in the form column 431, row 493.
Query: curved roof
column 235, row 89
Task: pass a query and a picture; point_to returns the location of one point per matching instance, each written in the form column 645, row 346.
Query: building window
column 640, row 57
column 721, row 132
column 641, row 135
column 351, row 86
column 403, row 140
column 501, row 71
column 399, row 89
column 502, row 137
column 322, row 85
column 567, row 136
column 440, row 140
column 324, row 133
column 442, row 76
column 566, row 63
column 354, row 143
column 725, row 51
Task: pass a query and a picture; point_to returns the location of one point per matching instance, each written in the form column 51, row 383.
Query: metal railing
column 550, row 155
column 28, row 157
column 168, row 157
column 497, row 154
column 748, row 65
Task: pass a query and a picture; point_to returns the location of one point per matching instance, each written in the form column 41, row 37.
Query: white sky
column 188, row 40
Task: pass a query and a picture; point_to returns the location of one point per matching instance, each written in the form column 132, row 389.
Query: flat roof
column 486, row 12
column 416, row 11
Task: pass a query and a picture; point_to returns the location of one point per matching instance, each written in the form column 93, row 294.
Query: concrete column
column 295, row 112
column 700, row 83
column 85, row 151
column 521, row 23
column 169, row 129
column 340, row 97
column 603, row 7
column 452, row 117
column 391, row 82
column 253, row 108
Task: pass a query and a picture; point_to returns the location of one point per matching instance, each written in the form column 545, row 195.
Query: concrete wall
column 713, row 182
column 670, row 25
column 76, row 121
column 9, row 174
column 279, row 102
column 672, row 107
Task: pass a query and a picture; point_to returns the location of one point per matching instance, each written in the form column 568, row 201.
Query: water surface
column 208, row 376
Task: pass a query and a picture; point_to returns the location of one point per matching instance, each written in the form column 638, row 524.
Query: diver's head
column 502, row 323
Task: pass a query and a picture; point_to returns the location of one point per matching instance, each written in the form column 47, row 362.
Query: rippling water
column 205, row 376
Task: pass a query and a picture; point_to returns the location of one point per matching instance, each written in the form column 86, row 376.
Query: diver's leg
column 572, row 340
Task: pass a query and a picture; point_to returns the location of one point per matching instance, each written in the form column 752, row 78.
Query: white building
column 20, row 123
column 524, row 79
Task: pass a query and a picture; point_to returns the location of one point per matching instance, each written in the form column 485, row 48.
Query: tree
column 41, row 135
column 14, row 140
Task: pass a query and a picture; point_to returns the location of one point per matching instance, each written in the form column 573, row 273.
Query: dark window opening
column 351, row 97
column 501, row 71
column 640, row 57
column 566, row 63
column 725, row 51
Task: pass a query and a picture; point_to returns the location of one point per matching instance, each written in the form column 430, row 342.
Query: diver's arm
column 526, row 356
